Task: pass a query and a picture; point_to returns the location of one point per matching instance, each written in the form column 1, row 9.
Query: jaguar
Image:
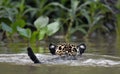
column 65, row 49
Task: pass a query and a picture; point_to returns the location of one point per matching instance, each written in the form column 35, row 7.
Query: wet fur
column 32, row 55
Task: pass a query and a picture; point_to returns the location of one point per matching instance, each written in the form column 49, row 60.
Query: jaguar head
column 67, row 49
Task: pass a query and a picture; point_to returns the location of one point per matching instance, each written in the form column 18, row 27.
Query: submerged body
column 61, row 50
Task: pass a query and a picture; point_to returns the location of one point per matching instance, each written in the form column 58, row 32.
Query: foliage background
column 34, row 20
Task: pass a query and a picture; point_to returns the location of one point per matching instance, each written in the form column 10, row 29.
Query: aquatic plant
column 44, row 28
column 9, row 17
column 84, row 17
column 72, row 17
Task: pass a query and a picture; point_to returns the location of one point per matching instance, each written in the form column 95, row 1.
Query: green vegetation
column 118, row 31
column 118, row 28
column 37, row 19
column 43, row 29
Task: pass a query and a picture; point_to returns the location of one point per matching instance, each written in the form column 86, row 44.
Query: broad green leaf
column 74, row 4
column 42, row 33
column 24, row 32
column 53, row 28
column 20, row 23
column 41, row 22
column 6, row 28
column 34, row 36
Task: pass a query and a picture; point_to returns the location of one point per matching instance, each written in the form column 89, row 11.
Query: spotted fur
column 66, row 49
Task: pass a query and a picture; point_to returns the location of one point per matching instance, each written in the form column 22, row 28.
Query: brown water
column 100, row 58
column 55, row 69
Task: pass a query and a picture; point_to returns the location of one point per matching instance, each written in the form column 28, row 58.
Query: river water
column 100, row 58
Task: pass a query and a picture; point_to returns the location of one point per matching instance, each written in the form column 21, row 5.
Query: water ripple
column 86, row 60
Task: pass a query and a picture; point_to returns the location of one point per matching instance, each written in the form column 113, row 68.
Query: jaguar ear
column 81, row 47
column 52, row 48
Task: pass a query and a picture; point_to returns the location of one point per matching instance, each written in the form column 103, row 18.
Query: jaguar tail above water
column 32, row 55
